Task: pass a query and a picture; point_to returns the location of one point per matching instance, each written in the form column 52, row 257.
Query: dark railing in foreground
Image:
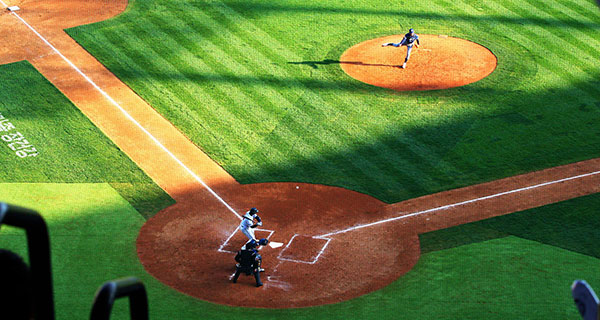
column 38, row 243
column 113, row 290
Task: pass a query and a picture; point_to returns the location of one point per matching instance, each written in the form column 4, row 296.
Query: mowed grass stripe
column 381, row 153
column 273, row 142
column 131, row 55
column 134, row 54
column 133, row 71
column 549, row 80
column 587, row 39
column 397, row 166
column 572, row 95
column 337, row 141
column 584, row 7
column 563, row 63
column 575, row 21
column 273, row 139
column 343, row 102
column 190, row 63
column 577, row 47
column 567, row 21
column 549, row 60
column 179, row 65
column 222, row 23
column 270, row 141
column 234, row 17
column 537, row 32
column 560, row 44
column 424, row 154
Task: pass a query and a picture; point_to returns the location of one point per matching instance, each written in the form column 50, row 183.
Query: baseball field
column 464, row 186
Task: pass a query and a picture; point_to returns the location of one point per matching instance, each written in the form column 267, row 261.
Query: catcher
column 249, row 261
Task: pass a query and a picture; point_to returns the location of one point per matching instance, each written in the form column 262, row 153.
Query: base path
column 35, row 33
column 338, row 244
column 440, row 62
column 370, row 244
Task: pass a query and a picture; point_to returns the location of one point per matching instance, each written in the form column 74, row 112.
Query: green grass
column 92, row 234
column 572, row 225
column 71, row 149
column 238, row 78
column 93, row 231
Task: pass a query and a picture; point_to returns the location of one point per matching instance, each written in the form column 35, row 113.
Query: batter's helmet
column 411, row 30
column 253, row 211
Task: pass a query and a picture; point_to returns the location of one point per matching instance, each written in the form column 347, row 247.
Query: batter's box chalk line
column 221, row 248
column 314, row 259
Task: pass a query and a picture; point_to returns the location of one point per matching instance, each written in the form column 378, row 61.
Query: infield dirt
column 179, row 244
column 440, row 62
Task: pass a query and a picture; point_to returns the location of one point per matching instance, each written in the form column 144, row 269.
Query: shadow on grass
column 507, row 131
column 315, row 64
column 260, row 8
column 571, row 225
column 499, row 86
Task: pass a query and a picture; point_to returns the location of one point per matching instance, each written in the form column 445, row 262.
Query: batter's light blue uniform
column 247, row 224
column 408, row 40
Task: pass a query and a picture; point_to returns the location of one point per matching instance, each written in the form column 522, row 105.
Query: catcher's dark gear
column 248, row 263
column 250, row 245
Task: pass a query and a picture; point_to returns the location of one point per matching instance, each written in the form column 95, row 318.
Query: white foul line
column 458, row 204
column 111, row 100
column 226, row 241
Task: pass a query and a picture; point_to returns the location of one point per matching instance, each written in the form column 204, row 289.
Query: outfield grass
column 71, row 149
column 572, row 225
column 93, row 231
column 244, row 80
column 249, row 82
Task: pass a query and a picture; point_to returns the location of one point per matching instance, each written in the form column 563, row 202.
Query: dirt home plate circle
column 191, row 245
column 441, row 62
column 325, row 257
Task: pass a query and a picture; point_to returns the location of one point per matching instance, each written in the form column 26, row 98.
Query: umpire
column 249, row 260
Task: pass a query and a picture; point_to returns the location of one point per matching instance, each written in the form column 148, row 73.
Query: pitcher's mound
column 440, row 62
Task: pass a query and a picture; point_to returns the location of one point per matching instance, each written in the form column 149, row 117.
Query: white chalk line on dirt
column 314, row 260
column 234, row 232
column 116, row 104
column 459, row 204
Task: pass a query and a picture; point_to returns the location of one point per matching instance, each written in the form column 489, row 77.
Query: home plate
column 274, row 244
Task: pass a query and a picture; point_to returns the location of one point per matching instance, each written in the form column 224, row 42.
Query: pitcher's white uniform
column 247, row 225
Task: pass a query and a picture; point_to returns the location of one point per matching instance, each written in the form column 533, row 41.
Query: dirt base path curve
column 188, row 245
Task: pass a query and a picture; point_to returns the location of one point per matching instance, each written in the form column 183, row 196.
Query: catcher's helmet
column 263, row 242
column 253, row 210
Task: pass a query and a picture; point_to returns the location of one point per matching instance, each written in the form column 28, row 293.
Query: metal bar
column 38, row 243
column 112, row 290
